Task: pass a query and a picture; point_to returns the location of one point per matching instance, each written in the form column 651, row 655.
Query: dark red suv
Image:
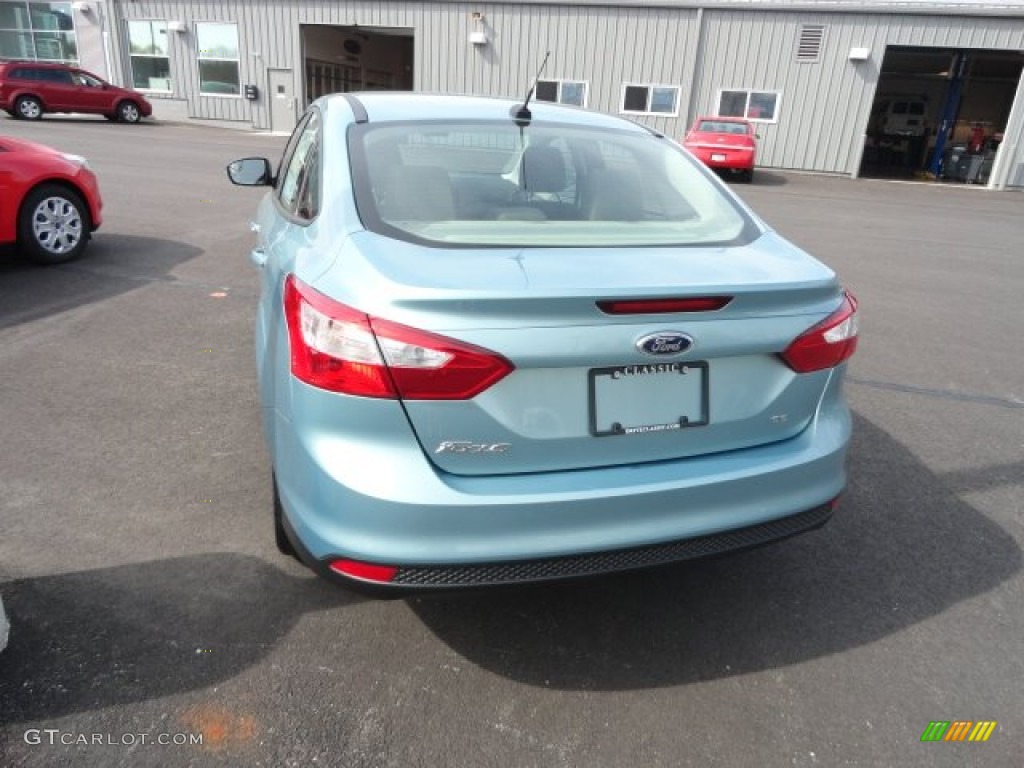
column 30, row 88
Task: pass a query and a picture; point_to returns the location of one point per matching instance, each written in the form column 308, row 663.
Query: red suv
column 30, row 88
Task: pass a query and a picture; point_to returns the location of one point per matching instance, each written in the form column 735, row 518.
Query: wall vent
column 809, row 46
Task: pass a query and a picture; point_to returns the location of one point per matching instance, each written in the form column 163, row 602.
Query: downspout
column 105, row 32
column 698, row 57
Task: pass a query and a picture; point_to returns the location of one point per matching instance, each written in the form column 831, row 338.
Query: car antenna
column 522, row 114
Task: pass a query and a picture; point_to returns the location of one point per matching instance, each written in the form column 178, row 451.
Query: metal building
column 855, row 87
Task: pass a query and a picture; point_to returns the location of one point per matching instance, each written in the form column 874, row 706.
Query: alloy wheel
column 57, row 225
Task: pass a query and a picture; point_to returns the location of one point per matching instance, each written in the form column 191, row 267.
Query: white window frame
column 650, row 91
column 31, row 31
column 746, row 108
column 128, row 34
column 559, row 81
column 238, row 60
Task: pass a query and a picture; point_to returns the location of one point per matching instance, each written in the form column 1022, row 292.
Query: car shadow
column 94, row 639
column 112, row 264
column 901, row 548
column 769, row 179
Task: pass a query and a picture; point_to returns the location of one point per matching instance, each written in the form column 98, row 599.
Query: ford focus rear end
column 496, row 349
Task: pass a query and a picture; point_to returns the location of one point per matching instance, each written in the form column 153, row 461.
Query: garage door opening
column 340, row 59
column 940, row 113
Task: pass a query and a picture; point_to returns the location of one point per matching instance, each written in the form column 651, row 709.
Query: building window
column 650, row 99
column 760, row 106
column 38, row 32
column 151, row 66
column 218, row 59
column 572, row 92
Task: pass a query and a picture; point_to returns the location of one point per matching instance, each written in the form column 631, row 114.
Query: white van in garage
column 900, row 116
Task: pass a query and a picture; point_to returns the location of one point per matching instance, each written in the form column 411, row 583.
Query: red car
column 724, row 143
column 28, row 89
column 51, row 201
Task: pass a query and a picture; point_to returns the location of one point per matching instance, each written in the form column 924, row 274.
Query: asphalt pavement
column 147, row 601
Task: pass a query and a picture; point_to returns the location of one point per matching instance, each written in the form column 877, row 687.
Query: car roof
column 719, row 119
column 386, row 106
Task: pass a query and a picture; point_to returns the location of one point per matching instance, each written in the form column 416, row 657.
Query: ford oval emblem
column 664, row 343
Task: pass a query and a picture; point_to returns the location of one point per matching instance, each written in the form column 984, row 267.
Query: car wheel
column 28, row 108
column 284, row 546
column 747, row 176
column 128, row 112
column 53, row 225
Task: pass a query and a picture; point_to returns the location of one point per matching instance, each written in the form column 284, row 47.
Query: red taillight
column 356, row 569
column 828, row 343
column 340, row 349
column 660, row 306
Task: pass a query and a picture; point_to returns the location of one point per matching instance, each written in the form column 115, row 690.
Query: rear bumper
column 578, row 566
column 383, row 502
column 738, row 160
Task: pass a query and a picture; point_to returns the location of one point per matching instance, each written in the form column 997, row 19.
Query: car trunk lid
column 585, row 392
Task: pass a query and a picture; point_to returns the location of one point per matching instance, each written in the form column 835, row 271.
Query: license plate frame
column 689, row 415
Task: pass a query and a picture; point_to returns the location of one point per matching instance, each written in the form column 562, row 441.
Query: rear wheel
column 53, row 224
column 747, row 176
column 28, row 108
column 128, row 112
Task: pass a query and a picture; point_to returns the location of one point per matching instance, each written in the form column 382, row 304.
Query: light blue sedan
column 501, row 342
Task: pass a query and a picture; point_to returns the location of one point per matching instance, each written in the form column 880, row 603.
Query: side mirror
column 757, row 135
column 251, row 172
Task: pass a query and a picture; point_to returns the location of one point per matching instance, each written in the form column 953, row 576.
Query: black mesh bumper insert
column 608, row 562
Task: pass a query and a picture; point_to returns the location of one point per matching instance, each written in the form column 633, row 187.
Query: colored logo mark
column 958, row 730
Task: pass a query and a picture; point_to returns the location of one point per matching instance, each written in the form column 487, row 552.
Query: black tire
column 28, row 108
column 128, row 112
column 53, row 224
column 747, row 176
column 284, row 546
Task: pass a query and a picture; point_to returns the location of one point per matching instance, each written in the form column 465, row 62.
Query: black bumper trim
column 596, row 563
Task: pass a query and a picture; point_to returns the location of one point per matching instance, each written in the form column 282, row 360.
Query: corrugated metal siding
column 605, row 46
column 1009, row 170
column 824, row 105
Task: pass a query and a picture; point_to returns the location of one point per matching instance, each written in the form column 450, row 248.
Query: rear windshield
column 718, row 126
column 547, row 184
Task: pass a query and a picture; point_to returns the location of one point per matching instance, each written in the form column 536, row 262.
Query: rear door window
column 299, row 187
column 59, row 76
